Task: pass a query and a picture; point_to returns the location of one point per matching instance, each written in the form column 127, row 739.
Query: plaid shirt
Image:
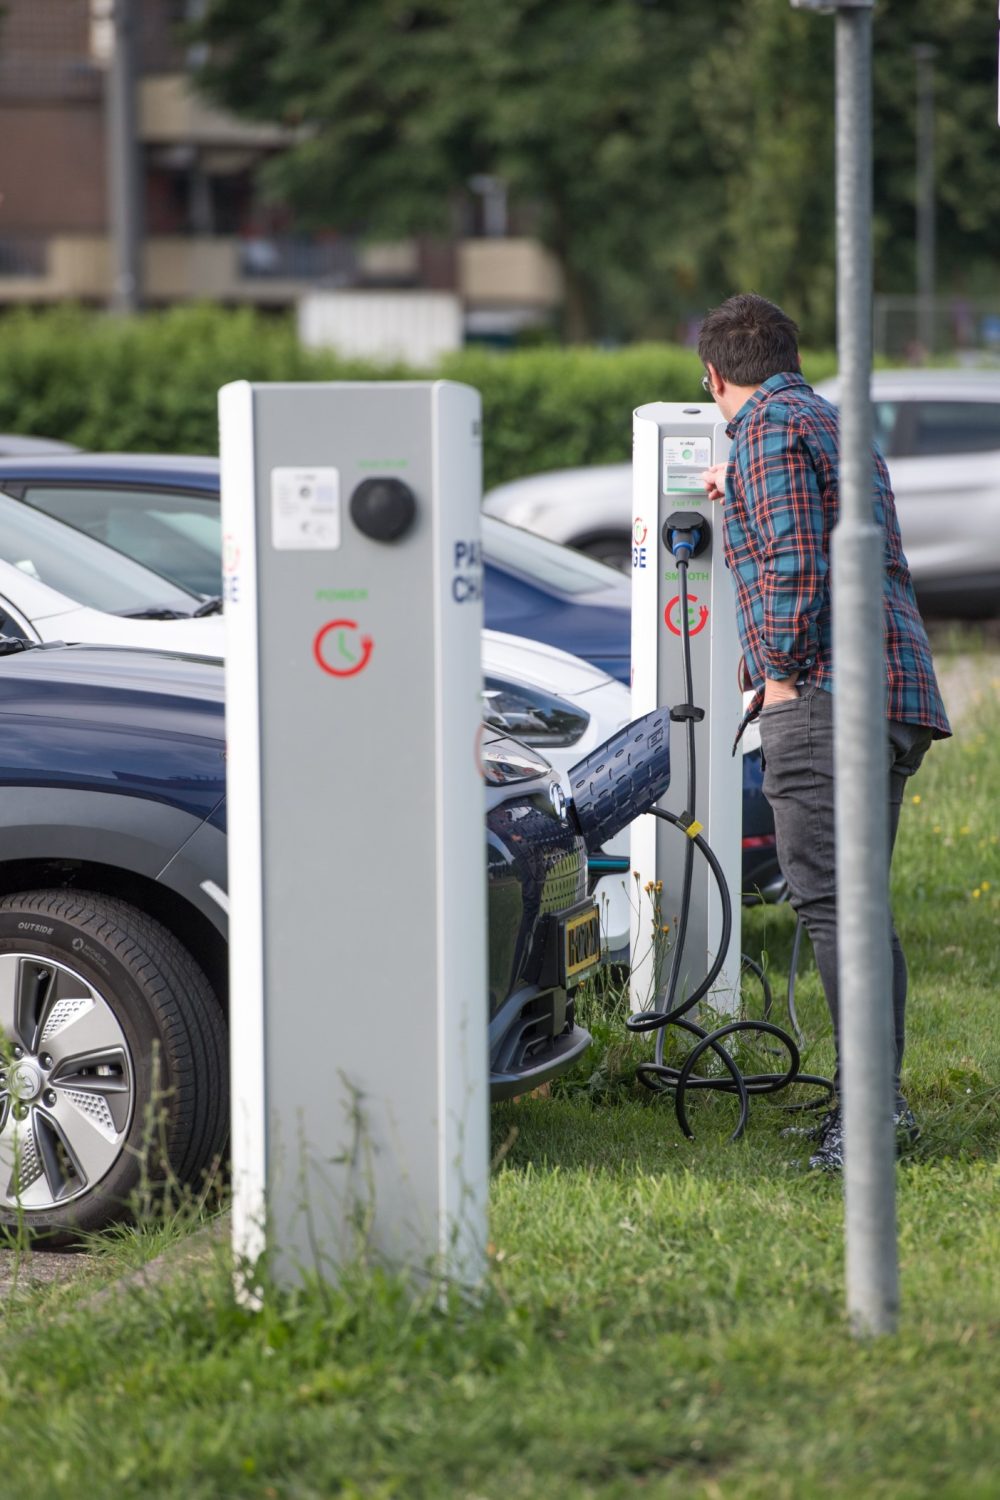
column 782, row 501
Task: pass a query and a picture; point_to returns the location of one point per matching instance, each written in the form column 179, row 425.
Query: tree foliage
column 582, row 110
column 668, row 151
column 967, row 152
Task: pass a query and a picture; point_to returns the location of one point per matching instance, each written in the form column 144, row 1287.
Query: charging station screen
column 684, row 458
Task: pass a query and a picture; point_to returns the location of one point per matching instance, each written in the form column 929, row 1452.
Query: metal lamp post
column 924, row 56
column 862, row 818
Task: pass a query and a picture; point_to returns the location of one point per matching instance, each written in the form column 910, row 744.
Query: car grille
column 565, row 884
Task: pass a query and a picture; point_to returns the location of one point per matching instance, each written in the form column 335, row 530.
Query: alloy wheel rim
column 67, row 1084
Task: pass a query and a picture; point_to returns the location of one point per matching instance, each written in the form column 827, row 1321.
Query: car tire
column 614, row 550
column 115, row 1070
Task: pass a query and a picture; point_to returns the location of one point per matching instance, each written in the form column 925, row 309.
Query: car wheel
column 115, row 1067
column 615, row 551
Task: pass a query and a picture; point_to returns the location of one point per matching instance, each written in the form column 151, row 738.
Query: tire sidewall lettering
column 113, row 984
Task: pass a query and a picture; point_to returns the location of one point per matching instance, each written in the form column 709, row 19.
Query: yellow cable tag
column 693, row 829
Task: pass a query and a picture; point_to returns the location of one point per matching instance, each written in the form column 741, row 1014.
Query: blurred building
column 206, row 232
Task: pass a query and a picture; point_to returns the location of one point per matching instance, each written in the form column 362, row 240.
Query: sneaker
column 907, row 1129
column 829, row 1156
column 805, row 1132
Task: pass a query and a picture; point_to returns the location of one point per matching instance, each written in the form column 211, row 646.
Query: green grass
column 662, row 1317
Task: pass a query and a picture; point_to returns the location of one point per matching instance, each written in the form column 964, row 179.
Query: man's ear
column 718, row 384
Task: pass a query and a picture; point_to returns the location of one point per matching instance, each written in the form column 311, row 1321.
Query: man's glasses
column 706, row 384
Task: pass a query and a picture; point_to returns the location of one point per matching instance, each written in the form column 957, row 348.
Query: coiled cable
column 660, row 1076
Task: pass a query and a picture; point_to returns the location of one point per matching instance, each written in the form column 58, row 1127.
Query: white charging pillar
column 672, row 444
column 353, row 592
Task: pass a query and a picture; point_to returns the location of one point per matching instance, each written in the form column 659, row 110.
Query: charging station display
column 672, row 445
column 353, row 588
column 684, row 459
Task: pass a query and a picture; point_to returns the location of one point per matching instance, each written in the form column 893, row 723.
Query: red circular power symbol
column 352, row 656
column 693, row 625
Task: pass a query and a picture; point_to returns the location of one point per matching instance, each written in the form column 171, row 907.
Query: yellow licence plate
column 582, row 943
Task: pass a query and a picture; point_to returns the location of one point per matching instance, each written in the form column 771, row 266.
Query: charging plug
column 686, row 533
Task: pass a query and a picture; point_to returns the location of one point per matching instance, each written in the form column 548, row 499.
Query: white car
column 590, row 509
column 57, row 584
column 16, row 445
column 565, row 708
column 940, row 433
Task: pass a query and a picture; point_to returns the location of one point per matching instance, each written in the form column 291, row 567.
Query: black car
column 113, row 926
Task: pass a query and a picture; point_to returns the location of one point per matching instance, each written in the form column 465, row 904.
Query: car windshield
column 176, row 533
column 82, row 568
column 546, row 563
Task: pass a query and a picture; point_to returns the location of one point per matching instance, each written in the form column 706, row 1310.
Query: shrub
column 146, row 384
column 559, row 408
column 149, row 384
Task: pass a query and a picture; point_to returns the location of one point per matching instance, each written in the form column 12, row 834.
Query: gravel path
column 22, row 1274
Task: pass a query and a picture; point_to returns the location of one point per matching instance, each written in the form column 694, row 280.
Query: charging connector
column 686, row 533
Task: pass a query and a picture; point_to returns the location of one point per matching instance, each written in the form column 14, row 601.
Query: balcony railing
column 334, row 262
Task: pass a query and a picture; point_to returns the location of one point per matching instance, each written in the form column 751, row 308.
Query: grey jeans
column 797, row 742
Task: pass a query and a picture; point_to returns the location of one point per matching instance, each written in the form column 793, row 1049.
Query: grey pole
column 865, row 970
column 926, row 250
column 860, row 737
column 122, row 164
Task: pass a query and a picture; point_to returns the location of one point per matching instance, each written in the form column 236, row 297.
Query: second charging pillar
column 672, row 444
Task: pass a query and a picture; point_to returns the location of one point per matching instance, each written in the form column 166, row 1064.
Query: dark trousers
column 797, row 741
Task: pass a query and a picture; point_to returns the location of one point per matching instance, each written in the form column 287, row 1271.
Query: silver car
column 940, row 433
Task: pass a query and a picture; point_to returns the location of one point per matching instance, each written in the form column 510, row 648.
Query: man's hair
column 748, row 339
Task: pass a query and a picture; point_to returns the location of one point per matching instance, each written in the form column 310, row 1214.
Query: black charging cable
column 686, row 534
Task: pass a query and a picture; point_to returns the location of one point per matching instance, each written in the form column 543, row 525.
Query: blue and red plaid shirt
column 782, row 501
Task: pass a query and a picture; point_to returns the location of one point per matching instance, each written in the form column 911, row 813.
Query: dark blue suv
column 113, row 927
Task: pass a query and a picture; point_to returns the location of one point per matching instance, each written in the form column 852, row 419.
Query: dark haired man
column 780, row 489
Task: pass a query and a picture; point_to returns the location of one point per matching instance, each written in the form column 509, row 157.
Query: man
column 781, row 496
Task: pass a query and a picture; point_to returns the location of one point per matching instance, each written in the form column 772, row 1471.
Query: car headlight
column 504, row 762
column 532, row 715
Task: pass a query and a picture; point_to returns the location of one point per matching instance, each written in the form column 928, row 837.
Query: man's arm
column 786, row 510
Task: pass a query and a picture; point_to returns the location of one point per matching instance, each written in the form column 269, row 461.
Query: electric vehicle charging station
column 353, row 591
column 672, row 444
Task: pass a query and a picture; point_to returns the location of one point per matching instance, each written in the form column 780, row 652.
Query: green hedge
column 146, row 384
column 149, row 384
column 557, row 408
